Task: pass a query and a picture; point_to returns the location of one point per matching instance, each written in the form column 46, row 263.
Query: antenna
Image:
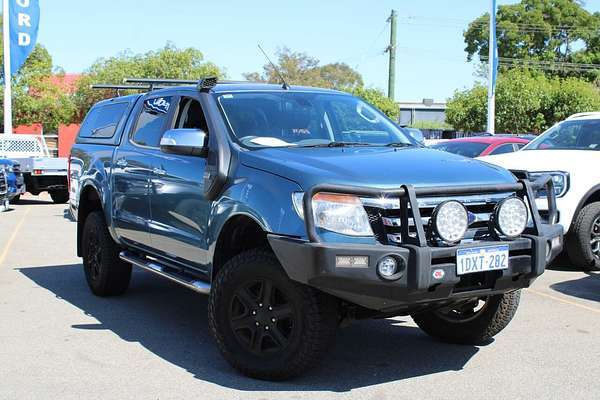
column 285, row 85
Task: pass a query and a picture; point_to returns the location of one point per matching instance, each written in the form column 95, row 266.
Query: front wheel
column 59, row 196
column 583, row 241
column 472, row 322
column 267, row 326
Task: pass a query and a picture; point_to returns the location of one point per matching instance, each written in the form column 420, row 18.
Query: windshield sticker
column 227, row 96
column 158, row 105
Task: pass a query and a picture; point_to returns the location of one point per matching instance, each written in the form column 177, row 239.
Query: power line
column 518, row 27
column 372, row 45
column 546, row 65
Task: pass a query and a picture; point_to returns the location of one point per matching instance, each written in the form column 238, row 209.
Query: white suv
column 570, row 152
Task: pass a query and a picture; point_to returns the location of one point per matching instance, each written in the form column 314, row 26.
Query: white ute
column 41, row 172
column 570, row 152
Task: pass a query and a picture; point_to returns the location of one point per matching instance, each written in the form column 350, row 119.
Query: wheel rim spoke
column 257, row 339
column 283, row 311
column 246, row 298
column 278, row 337
column 266, row 292
column 243, row 322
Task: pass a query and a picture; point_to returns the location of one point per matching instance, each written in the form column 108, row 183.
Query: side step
column 166, row 272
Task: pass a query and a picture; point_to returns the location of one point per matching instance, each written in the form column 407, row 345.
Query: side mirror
column 189, row 142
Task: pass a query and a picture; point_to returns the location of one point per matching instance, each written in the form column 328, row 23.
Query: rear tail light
column 38, row 171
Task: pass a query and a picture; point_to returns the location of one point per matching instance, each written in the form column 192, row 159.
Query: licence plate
column 480, row 259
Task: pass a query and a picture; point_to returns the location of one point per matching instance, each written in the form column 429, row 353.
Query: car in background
column 3, row 191
column 14, row 179
column 570, row 153
column 479, row 146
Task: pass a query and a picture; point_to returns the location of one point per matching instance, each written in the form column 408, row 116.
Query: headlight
column 560, row 179
column 450, row 221
column 511, row 217
column 338, row 213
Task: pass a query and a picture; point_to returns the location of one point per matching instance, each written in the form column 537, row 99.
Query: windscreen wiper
column 338, row 144
column 398, row 144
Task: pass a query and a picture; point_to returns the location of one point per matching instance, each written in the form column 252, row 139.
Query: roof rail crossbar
column 120, row 87
column 202, row 84
column 160, row 81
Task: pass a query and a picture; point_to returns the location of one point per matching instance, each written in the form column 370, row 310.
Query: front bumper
column 314, row 264
column 429, row 275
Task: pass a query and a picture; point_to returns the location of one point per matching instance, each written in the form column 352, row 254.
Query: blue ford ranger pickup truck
column 296, row 210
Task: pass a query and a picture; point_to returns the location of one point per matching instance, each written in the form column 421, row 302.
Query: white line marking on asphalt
column 596, row 310
column 13, row 236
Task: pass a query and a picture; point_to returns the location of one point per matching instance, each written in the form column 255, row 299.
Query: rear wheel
column 266, row 325
column 473, row 322
column 59, row 196
column 583, row 241
column 105, row 272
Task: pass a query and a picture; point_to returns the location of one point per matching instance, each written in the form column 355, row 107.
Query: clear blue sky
column 431, row 58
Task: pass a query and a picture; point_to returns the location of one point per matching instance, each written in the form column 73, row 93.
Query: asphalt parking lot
column 59, row 341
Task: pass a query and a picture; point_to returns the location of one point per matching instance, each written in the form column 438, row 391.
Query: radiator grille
column 386, row 221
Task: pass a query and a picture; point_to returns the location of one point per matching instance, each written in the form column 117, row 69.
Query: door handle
column 121, row 162
column 159, row 171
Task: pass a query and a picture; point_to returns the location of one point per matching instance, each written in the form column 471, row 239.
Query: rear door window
column 102, row 121
column 151, row 122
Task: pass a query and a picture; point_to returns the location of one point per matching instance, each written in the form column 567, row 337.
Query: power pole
column 392, row 50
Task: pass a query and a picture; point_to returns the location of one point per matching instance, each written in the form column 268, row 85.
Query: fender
column 261, row 196
column 589, row 194
column 95, row 175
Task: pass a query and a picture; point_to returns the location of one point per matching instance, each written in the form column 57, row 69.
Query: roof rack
column 202, row 84
column 150, row 84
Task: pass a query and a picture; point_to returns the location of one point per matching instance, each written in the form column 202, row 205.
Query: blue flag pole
column 7, row 75
column 492, row 71
column 21, row 23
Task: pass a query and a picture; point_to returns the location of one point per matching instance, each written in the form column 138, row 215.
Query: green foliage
column 301, row 69
column 541, row 30
column 378, row 99
column 35, row 98
column 168, row 62
column 526, row 101
column 432, row 125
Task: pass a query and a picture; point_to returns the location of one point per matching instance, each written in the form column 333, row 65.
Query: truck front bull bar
column 407, row 194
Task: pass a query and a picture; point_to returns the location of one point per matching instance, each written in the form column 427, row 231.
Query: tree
column 378, row 99
column 526, row 101
column 36, row 99
column 301, row 69
column 168, row 62
column 540, row 30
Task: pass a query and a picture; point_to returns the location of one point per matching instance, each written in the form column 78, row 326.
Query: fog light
column 450, row 221
column 387, row 267
column 511, row 217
